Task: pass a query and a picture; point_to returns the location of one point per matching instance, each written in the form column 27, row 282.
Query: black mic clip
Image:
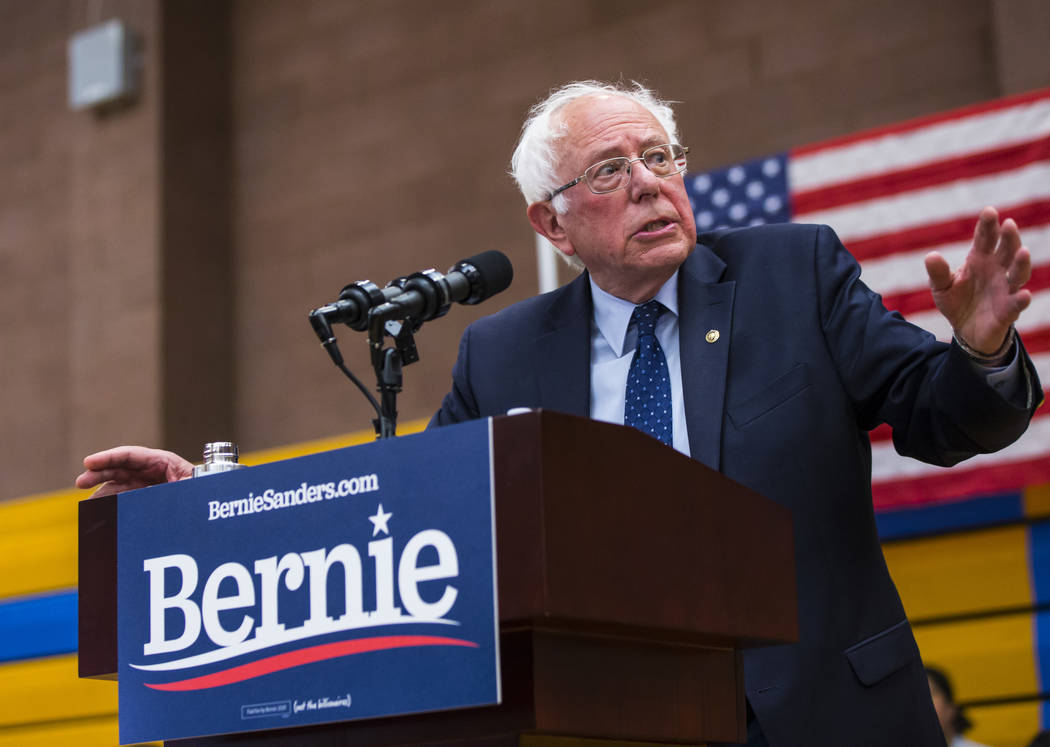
column 401, row 330
column 434, row 292
column 357, row 299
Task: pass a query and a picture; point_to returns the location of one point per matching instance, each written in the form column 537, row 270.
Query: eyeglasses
column 615, row 173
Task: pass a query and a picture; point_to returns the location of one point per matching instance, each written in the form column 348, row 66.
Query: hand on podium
column 130, row 467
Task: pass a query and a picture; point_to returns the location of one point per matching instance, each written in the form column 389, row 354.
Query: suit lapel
column 563, row 353
column 705, row 305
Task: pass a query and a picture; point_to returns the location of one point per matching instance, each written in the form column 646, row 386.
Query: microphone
column 413, row 299
column 428, row 294
column 355, row 300
column 421, row 296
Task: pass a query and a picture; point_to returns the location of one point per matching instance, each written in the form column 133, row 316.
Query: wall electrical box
column 103, row 65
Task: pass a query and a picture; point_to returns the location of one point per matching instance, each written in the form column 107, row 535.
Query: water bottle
column 219, row 456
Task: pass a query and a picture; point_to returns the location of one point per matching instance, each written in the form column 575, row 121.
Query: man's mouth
column 654, row 226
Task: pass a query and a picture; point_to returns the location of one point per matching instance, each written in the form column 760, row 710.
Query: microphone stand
column 388, row 362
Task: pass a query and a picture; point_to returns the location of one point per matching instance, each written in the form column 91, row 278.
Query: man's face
column 944, row 708
column 634, row 239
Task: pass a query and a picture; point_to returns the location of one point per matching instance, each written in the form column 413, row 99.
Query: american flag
column 892, row 195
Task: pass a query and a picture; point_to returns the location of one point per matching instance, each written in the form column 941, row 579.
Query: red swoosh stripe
column 309, row 655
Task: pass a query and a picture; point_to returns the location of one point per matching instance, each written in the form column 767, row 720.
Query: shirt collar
column 612, row 315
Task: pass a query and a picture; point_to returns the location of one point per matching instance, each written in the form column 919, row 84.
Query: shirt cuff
column 1007, row 379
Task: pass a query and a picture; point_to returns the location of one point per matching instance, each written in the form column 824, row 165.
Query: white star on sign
column 379, row 521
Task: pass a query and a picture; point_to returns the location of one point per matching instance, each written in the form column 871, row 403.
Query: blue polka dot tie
column 647, row 405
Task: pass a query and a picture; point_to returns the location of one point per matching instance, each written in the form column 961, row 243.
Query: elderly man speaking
column 760, row 353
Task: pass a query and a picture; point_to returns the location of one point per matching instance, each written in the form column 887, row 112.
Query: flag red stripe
column 921, row 300
column 921, row 122
column 959, row 482
column 1037, row 341
column 882, row 432
column 881, row 185
column 945, row 232
column 927, row 168
column 309, row 655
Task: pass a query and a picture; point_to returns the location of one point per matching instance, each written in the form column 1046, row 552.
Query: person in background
column 1042, row 739
column 953, row 721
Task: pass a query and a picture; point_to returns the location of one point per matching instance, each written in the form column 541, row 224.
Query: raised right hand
column 130, row 467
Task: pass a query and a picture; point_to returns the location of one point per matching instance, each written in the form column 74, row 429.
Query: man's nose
column 643, row 181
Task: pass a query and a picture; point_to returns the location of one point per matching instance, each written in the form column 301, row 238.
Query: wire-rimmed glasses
column 615, row 173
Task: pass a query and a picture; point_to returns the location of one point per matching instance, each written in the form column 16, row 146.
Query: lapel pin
column 712, row 335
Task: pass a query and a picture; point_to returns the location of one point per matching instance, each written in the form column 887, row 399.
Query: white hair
column 533, row 162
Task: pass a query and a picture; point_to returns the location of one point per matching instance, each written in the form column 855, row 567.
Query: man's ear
column 544, row 220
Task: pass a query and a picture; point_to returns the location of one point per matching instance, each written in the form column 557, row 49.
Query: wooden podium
column 629, row 578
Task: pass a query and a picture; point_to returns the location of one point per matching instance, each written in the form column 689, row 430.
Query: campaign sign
column 345, row 585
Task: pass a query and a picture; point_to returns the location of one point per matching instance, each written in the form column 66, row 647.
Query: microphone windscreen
column 494, row 274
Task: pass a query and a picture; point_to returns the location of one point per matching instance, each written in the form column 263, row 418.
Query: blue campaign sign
column 345, row 585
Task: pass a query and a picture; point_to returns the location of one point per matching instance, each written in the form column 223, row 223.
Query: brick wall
column 78, row 253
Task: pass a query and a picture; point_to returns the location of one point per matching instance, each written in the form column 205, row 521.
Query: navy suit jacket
column 807, row 361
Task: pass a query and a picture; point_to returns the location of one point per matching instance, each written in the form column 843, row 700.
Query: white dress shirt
column 613, row 341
